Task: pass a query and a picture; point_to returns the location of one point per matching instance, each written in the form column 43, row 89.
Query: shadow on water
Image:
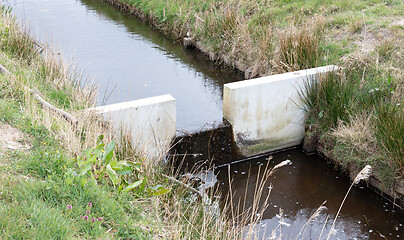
column 209, row 147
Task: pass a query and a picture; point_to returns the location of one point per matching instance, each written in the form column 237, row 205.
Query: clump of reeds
column 299, row 47
column 328, row 98
column 390, row 132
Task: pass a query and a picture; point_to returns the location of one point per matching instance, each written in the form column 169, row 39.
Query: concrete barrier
column 150, row 122
column 266, row 113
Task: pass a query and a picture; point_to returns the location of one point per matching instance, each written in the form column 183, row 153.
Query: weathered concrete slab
column 266, row 113
column 151, row 122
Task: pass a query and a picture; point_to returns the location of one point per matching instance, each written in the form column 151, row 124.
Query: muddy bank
column 395, row 193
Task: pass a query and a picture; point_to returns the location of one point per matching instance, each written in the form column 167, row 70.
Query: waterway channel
column 128, row 59
column 127, row 56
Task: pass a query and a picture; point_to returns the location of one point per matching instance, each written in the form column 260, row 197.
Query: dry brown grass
column 299, row 46
column 356, row 26
column 359, row 133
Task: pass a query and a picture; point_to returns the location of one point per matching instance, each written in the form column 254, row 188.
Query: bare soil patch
column 398, row 22
column 12, row 139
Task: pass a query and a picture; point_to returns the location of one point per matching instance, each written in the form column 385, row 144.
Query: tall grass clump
column 328, row 99
column 18, row 43
column 50, row 74
column 390, row 132
column 352, row 90
column 299, row 47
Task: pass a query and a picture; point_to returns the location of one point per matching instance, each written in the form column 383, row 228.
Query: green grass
column 34, row 207
column 42, row 204
column 34, row 193
column 45, row 71
column 33, row 220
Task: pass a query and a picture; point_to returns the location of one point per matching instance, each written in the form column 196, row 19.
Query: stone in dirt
column 399, row 188
column 309, row 144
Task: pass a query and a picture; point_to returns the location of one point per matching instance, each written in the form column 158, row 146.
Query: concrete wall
column 266, row 113
column 149, row 121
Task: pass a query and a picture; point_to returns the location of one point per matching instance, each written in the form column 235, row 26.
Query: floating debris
column 282, row 164
column 284, row 223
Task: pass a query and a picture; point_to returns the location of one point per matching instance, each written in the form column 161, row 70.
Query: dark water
column 210, row 147
column 127, row 59
column 300, row 188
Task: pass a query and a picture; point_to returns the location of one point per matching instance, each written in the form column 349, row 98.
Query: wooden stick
column 3, row 70
column 44, row 103
column 49, row 106
column 183, row 184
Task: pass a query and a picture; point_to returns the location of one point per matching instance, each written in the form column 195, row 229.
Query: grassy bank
column 267, row 37
column 65, row 181
column 357, row 117
column 357, row 114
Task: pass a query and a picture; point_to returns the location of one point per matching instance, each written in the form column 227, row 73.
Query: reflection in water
column 295, row 226
column 128, row 58
column 300, row 188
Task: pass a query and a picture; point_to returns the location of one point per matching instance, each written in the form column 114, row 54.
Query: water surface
column 300, row 188
column 128, row 59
